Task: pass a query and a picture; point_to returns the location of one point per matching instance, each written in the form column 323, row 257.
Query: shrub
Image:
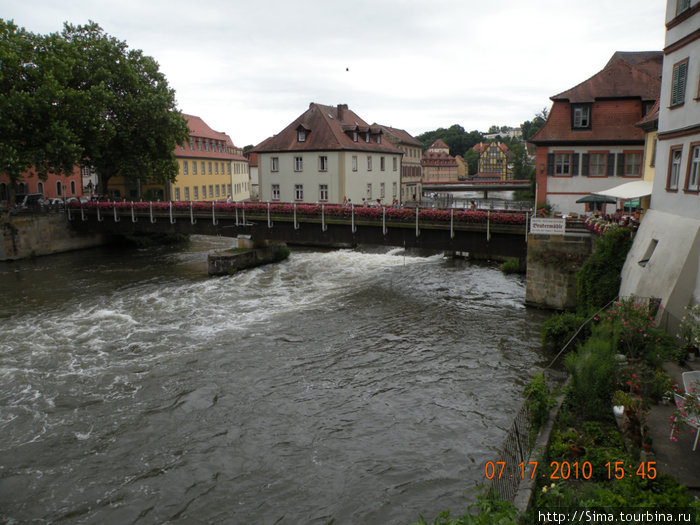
column 560, row 328
column 598, row 280
column 538, row 401
column 511, row 266
column 592, row 370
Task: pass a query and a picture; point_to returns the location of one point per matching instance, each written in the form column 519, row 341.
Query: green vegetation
column 560, row 328
column 512, row 266
column 487, row 510
column 82, row 97
column 600, row 276
column 539, row 400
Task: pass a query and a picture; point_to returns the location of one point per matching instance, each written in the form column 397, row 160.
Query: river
column 346, row 387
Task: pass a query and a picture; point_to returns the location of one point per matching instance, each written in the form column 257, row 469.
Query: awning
column 597, row 198
column 629, row 190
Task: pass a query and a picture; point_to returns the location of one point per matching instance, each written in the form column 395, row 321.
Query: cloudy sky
column 249, row 68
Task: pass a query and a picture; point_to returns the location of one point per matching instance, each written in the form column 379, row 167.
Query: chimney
column 341, row 108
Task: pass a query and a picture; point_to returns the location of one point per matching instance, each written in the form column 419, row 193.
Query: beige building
column 438, row 165
column 411, row 170
column 329, row 154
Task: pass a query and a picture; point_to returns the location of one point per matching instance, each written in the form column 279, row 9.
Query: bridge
column 481, row 233
column 477, row 185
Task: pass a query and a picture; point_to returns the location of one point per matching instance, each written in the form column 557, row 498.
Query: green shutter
column 584, row 163
column 611, row 165
column 620, row 164
column 574, row 168
column 550, row 164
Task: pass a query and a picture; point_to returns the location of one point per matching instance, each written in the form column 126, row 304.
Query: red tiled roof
column 619, row 79
column 439, row 144
column 650, row 121
column 201, row 130
column 328, row 128
column 402, row 135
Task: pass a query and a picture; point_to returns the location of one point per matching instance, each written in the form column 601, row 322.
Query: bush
column 538, row 400
column 511, row 266
column 558, row 329
column 598, row 280
column 593, row 370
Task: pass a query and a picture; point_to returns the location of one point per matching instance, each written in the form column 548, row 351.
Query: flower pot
column 618, row 410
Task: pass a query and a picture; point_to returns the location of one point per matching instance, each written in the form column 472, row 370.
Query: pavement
column 675, row 458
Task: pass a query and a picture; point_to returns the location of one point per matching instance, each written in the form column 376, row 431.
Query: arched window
column 21, row 188
column 72, row 187
column 40, row 187
column 58, row 188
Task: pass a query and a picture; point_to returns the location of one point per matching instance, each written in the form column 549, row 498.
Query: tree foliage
column 458, row 140
column 530, row 127
column 83, row 97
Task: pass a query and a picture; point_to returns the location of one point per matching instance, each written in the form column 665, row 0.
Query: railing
column 515, row 450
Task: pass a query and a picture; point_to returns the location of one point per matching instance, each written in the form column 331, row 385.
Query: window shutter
column 620, row 164
column 680, row 73
column 584, row 164
column 611, row 165
column 550, row 164
column 574, row 170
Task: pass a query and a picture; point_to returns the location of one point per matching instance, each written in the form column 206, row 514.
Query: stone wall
column 30, row 235
column 552, row 263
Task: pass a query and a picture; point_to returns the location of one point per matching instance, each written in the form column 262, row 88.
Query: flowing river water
column 345, row 387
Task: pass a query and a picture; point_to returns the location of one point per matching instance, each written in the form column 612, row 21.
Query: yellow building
column 494, row 158
column 211, row 167
column 650, row 125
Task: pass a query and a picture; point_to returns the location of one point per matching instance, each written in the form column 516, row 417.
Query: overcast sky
column 248, row 68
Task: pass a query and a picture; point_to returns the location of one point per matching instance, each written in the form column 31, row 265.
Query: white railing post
column 192, row 219
column 114, row 208
column 133, row 217
column 213, row 214
column 82, row 213
column 99, row 215
column 294, row 207
column 170, row 207
column 384, row 230
column 352, row 218
column 323, row 218
column 452, row 223
column 150, row 211
column 417, row 230
column 488, row 225
column 269, row 222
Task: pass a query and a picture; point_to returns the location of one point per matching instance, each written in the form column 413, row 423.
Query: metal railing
column 515, row 450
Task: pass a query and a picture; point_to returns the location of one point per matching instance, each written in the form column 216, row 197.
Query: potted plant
column 689, row 330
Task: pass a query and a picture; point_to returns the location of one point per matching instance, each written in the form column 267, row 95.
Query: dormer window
column 354, row 136
column 301, row 135
column 367, row 138
column 379, row 139
column 581, row 116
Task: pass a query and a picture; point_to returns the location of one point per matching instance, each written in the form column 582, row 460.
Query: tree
column 458, row 140
column 82, row 97
column 530, row 127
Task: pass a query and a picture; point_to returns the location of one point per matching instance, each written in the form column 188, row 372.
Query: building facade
column 411, row 170
column 438, row 165
column 210, row 167
column 664, row 261
column 329, row 155
column 494, row 160
column 54, row 187
column 590, row 141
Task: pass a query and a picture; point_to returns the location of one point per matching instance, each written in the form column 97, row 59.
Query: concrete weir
column 247, row 255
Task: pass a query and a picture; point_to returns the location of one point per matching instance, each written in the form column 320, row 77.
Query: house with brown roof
column 438, row 165
column 411, row 171
column 591, row 142
column 329, row 154
column 494, row 160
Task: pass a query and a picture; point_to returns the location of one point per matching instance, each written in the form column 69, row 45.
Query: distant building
column 494, row 160
column 411, row 171
column 590, row 141
column 211, row 166
column 462, row 168
column 329, row 154
column 55, row 186
column 664, row 261
column 438, row 165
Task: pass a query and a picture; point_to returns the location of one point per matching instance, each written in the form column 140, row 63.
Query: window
column 379, row 139
column 229, row 189
column 323, row 163
column 196, row 193
column 72, row 187
column 354, row 136
column 177, row 194
column 394, row 163
column 274, row 163
column 597, row 164
column 678, row 80
column 203, row 168
column 381, row 190
column 216, row 168
column 211, row 191
column 58, row 188
column 228, row 168
column 693, row 177
column 301, row 135
column 674, row 168
column 216, row 187
column 562, row 164
column 633, row 164
column 206, row 146
column 299, row 192
column 393, row 190
column 199, row 145
column 323, row 192
column 39, row 188
column 204, row 191
column 187, row 193
column 647, row 255
column 369, row 163
column 210, row 167
column 298, row 164
column 275, row 192
column 581, row 116
column 367, row 137
column 191, row 145
column 682, row 5
column 185, row 167
column 381, row 163
column 369, row 191
column 354, row 163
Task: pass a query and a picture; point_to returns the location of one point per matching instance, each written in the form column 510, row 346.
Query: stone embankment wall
column 552, row 263
column 246, row 256
column 24, row 236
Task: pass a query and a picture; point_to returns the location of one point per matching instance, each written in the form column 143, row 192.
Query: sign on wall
column 547, row 226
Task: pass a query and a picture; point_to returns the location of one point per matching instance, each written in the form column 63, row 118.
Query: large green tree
column 83, row 97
